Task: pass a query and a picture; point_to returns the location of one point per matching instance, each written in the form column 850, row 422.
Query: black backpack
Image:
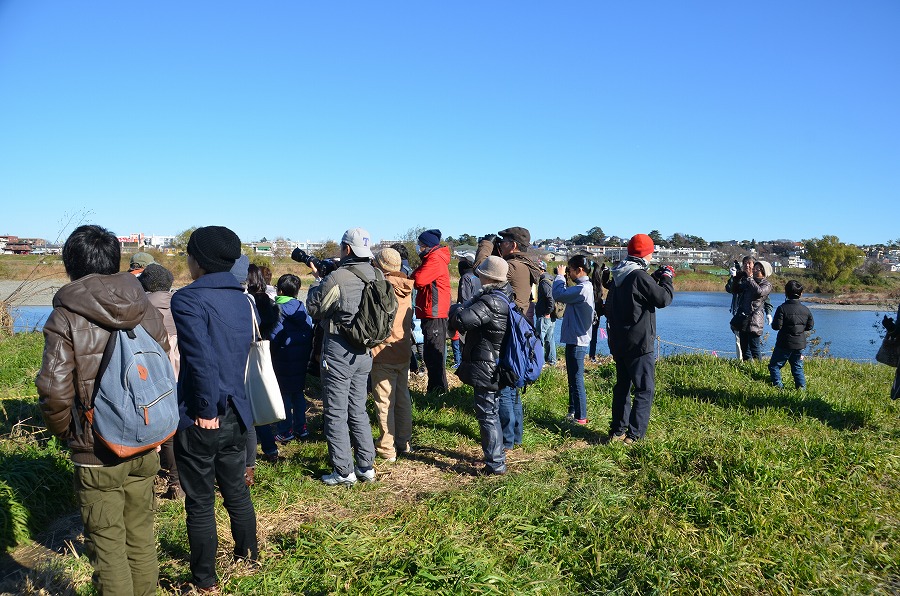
column 373, row 322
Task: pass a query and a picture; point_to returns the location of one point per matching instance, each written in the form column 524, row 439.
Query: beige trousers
column 390, row 389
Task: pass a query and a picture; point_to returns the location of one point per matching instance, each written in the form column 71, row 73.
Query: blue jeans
column 295, row 408
column 511, row 416
column 486, row 412
column 779, row 357
column 627, row 417
column 751, row 345
column 546, row 327
column 457, row 352
column 575, row 372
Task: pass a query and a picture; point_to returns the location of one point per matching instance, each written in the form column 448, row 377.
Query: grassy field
column 738, row 488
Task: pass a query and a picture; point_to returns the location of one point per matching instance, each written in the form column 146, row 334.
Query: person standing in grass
column 157, row 282
column 484, row 320
column 432, row 283
column 390, row 366
column 793, row 321
column 634, row 295
column 291, row 347
column 545, row 315
column 576, row 329
column 215, row 327
column 345, row 367
column 754, row 288
column 512, row 245
column 115, row 495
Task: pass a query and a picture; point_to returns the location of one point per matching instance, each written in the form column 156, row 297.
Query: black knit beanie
column 215, row 248
column 156, row 278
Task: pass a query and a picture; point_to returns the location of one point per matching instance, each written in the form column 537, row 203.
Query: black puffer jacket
column 792, row 320
column 484, row 320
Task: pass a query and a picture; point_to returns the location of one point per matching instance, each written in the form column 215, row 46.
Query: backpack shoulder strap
column 360, row 275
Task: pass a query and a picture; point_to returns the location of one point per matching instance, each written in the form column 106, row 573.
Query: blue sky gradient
column 726, row 120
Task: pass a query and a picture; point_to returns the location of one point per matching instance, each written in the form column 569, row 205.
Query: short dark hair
column 749, row 259
column 579, row 262
column 401, row 248
column 793, row 289
column 288, row 285
column 91, row 249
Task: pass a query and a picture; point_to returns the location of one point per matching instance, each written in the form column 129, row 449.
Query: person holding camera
column 512, row 245
column 545, row 315
column 576, row 329
column 345, row 367
column 432, row 284
column 751, row 289
column 634, row 295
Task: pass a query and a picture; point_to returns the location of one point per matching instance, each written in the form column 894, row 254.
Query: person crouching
column 483, row 319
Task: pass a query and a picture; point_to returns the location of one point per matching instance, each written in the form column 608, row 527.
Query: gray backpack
column 374, row 321
column 134, row 407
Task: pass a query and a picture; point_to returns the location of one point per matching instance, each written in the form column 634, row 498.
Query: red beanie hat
column 640, row 245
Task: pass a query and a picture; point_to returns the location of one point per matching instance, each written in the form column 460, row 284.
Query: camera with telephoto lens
column 660, row 271
column 324, row 267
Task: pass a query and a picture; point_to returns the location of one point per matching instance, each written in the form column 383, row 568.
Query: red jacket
column 432, row 281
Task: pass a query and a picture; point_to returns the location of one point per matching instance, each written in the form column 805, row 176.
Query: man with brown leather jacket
column 115, row 495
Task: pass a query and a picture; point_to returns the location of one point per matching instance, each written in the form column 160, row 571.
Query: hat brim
column 361, row 251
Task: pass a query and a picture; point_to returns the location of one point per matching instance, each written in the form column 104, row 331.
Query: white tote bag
column 260, row 383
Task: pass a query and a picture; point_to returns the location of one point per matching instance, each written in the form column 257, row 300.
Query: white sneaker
column 335, row 479
column 367, row 476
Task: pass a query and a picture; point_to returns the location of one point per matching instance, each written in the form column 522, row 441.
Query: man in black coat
column 634, row 295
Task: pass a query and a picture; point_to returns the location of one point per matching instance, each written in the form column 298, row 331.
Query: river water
column 695, row 322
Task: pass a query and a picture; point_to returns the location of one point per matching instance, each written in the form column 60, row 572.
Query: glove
column 888, row 323
column 668, row 271
column 492, row 238
column 769, row 320
column 733, row 271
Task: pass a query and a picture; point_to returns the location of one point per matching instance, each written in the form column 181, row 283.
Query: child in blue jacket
column 291, row 346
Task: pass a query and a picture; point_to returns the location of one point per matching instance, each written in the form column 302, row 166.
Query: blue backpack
column 522, row 352
column 135, row 406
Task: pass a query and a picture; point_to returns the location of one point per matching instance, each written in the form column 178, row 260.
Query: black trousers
column 631, row 416
column 207, row 457
column 434, row 352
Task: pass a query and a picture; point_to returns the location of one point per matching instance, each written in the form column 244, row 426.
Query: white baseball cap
column 359, row 242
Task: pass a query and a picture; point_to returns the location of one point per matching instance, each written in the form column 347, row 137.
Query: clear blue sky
column 726, row 120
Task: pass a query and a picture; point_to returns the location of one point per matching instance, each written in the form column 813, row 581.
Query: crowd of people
column 207, row 328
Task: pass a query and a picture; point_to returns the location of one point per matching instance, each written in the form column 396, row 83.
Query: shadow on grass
column 794, row 403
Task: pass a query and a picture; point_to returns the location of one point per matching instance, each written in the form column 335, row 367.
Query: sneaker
column 285, row 438
column 581, row 421
column 304, row 433
column 365, row 475
column 570, row 417
column 614, row 438
column 486, row 471
column 628, row 440
column 335, row 479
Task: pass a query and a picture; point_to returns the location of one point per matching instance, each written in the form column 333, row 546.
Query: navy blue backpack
column 521, row 353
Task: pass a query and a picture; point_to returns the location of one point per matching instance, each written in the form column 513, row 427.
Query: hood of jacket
column 438, row 253
column 403, row 285
column 534, row 270
column 625, row 268
column 111, row 301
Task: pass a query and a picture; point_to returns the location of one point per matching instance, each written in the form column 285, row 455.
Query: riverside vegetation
column 738, row 488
